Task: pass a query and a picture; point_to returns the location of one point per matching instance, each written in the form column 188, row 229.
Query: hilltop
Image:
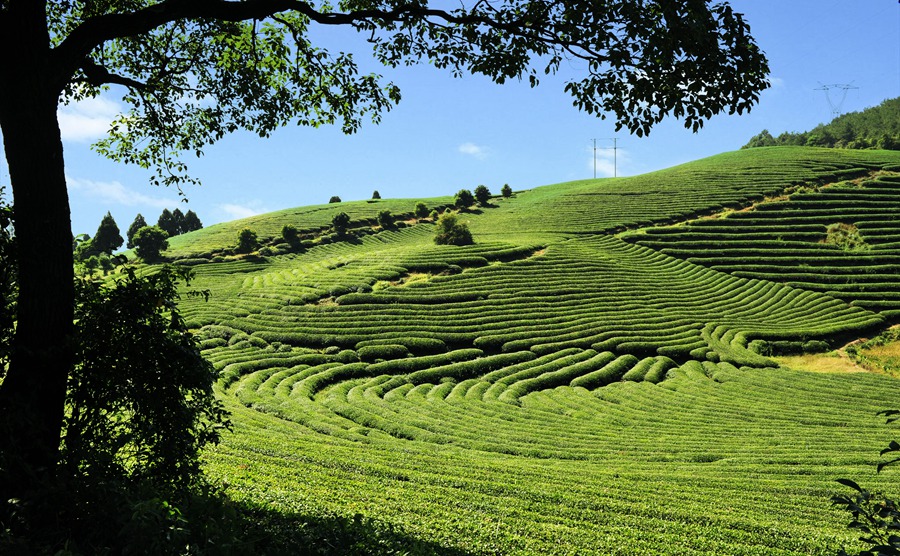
column 596, row 374
column 875, row 127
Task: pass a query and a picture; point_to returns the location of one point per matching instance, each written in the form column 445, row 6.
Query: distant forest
column 873, row 128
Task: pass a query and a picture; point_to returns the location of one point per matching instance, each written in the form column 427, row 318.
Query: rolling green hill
column 593, row 376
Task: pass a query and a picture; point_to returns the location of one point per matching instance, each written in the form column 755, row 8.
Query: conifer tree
column 178, row 220
column 107, row 239
column 166, row 223
column 191, row 222
column 138, row 223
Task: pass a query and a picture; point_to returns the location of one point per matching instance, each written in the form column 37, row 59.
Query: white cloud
column 87, row 120
column 113, row 192
column 234, row 211
column 609, row 162
column 472, row 149
column 776, row 82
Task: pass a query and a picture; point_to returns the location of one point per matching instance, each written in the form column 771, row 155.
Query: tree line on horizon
column 94, row 252
column 873, row 128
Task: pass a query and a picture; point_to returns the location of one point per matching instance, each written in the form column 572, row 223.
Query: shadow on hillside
column 270, row 532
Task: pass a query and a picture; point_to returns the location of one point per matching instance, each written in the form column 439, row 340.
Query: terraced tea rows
column 785, row 241
column 554, row 389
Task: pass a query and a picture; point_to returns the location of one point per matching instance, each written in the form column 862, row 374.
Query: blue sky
column 450, row 133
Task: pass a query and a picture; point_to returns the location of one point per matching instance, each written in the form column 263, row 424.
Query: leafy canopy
column 197, row 70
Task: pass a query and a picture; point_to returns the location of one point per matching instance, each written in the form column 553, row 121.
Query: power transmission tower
column 836, row 106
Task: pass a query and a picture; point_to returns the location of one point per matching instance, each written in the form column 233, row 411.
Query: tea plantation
column 593, row 376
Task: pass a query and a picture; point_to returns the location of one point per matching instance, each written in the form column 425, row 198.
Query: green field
column 594, row 376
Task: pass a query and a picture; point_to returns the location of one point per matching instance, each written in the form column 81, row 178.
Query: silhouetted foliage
column 8, row 282
column 376, row 194
column 421, row 210
column 506, row 191
column 334, row 199
column 875, row 516
column 140, row 407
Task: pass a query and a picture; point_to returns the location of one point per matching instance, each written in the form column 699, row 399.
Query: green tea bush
column 403, row 366
column 608, row 374
column 383, row 351
column 470, row 369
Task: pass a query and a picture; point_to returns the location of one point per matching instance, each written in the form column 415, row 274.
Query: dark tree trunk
column 32, row 395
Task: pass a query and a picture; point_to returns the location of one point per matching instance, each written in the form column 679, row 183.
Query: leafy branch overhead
column 197, row 70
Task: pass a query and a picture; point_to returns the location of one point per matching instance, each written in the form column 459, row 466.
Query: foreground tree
column 8, row 283
column 193, row 71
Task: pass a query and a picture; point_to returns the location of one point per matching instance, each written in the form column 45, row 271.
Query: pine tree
column 107, row 239
column 178, row 219
column 138, row 223
column 191, row 222
column 167, row 223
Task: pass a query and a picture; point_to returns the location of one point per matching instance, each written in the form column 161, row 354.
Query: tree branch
column 97, row 75
column 97, row 30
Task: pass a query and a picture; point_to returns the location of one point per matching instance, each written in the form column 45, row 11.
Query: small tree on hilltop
column 421, row 210
column 334, row 199
column 247, row 241
column 149, row 241
column 107, row 239
column 385, row 219
column 482, row 195
column 450, row 231
column 138, row 223
column 376, row 194
column 464, row 199
column 506, row 191
column 339, row 222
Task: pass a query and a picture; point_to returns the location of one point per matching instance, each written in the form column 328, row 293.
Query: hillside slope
column 554, row 389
